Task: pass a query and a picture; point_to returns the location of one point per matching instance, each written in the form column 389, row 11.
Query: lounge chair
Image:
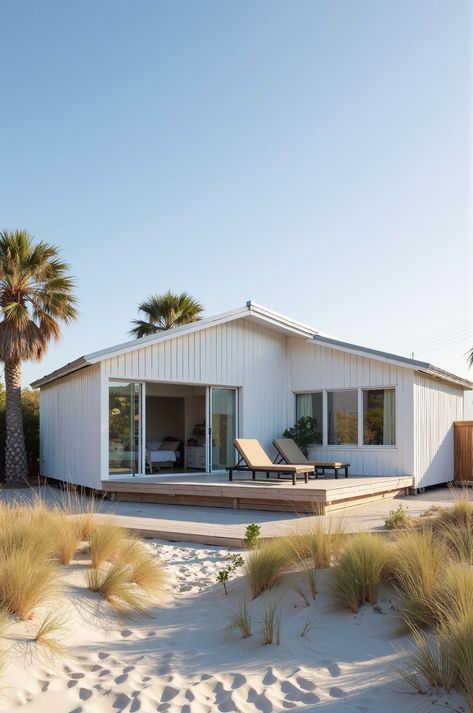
column 289, row 452
column 254, row 459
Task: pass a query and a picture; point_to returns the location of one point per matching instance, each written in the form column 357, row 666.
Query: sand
column 182, row 659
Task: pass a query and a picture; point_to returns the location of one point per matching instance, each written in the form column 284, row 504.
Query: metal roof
column 420, row 366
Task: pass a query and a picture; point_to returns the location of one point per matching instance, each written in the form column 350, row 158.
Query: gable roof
column 259, row 315
column 251, row 311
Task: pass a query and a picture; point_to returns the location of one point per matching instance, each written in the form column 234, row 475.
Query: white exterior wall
column 70, row 428
column 238, row 354
column 436, row 406
column 315, row 368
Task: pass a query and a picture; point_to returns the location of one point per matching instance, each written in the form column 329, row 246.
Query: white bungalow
column 178, row 399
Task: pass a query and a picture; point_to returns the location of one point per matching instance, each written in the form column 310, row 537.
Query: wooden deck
column 214, row 490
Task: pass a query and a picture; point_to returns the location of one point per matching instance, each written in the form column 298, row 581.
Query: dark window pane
column 379, row 417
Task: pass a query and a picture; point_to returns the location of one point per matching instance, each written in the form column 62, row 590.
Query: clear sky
column 312, row 155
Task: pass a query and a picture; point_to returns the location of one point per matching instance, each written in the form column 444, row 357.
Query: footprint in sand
column 305, row 684
column 85, row 694
column 336, row 692
column 95, row 667
column 260, row 701
column 269, row 677
column 169, row 692
column 121, row 678
column 292, row 693
column 104, row 672
column 238, row 680
column 44, row 685
column 72, row 683
column 77, row 675
column 121, row 702
column 103, row 655
column 126, row 633
column 151, row 633
column 334, row 670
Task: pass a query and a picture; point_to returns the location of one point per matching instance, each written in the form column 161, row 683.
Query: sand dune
column 182, row 660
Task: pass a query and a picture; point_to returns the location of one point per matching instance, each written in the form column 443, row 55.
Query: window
column 379, row 417
column 311, row 405
column 342, row 407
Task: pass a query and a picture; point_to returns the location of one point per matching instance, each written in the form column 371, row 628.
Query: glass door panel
column 223, row 424
column 125, row 428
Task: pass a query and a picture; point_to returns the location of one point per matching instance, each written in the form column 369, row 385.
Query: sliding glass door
column 125, row 428
column 223, row 427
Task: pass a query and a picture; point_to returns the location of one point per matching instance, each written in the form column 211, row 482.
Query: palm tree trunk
column 16, row 465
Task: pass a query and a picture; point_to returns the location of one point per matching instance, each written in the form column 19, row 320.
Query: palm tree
column 35, row 297
column 164, row 312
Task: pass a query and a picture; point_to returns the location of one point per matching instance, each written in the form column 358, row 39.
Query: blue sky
column 313, row 156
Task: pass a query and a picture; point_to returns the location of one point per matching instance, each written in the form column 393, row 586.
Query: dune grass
column 318, row 542
column 25, row 582
column 240, row 619
column 105, row 542
column 416, row 569
column 113, row 582
column 359, row 570
column 265, row 565
column 48, row 633
column 271, row 621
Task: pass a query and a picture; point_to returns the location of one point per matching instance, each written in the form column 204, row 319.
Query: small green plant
column 398, row 519
column 222, row 578
column 304, row 432
column 252, row 534
column 223, row 575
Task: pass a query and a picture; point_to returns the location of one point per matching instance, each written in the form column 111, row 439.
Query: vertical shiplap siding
column 70, row 428
column 315, row 368
column 436, row 406
column 240, row 354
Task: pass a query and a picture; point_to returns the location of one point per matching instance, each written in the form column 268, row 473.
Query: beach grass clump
column 26, row 581
column 416, row 569
column 240, row 619
column 113, row 582
column 429, row 664
column 265, row 565
column 316, row 542
column 67, row 535
column 105, row 542
column 359, row 571
column 271, row 621
column 48, row 634
column 148, row 573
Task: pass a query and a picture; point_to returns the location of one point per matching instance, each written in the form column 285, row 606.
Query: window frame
column 359, row 389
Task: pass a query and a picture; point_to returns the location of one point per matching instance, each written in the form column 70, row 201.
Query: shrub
column 252, row 534
column 398, row 519
column 265, row 566
column 304, row 432
column 25, row 582
column 223, row 575
column 105, row 541
column 359, row 571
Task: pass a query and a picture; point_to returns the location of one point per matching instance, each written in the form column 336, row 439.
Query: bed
column 162, row 454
